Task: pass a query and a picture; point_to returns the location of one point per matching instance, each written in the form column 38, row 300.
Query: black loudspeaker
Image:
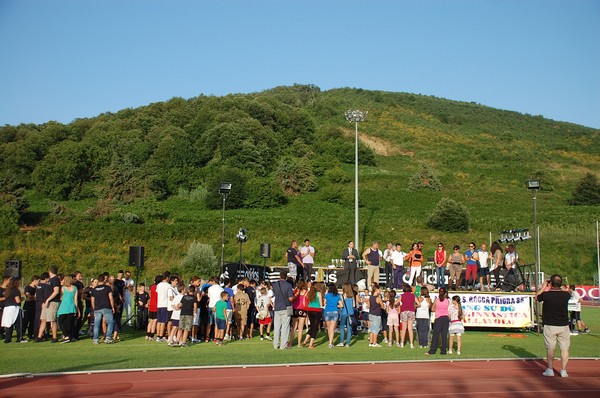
column 136, row 256
column 265, row 250
column 510, row 283
column 13, row 268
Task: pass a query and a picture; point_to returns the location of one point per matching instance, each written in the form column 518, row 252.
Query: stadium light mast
column 224, row 190
column 534, row 185
column 356, row 116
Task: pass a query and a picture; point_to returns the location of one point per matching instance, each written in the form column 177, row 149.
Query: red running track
column 409, row 379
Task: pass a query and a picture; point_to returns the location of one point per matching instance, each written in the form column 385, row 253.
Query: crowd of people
column 289, row 312
column 477, row 263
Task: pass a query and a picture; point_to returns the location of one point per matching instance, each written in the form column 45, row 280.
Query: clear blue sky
column 66, row 59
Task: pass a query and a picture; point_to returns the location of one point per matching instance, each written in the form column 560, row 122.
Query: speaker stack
column 265, row 250
column 136, row 256
column 13, row 268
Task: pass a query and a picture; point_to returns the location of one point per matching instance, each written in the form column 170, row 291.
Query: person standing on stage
column 497, row 263
column 439, row 259
column 307, row 253
column 350, row 256
column 484, row 268
column 555, row 315
column 398, row 266
column 294, row 261
column 389, row 269
column 372, row 257
column 472, row 258
column 456, row 259
column 415, row 257
column 510, row 259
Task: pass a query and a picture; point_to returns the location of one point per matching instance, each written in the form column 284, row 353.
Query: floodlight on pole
column 534, row 185
column 224, row 189
column 356, row 116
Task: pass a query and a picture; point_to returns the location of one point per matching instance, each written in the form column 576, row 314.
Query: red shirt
column 408, row 302
column 153, row 305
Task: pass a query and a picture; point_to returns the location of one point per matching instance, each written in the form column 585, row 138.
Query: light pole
column 356, row 116
column 534, row 185
column 224, row 190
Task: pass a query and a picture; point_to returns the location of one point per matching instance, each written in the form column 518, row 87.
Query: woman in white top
column 423, row 303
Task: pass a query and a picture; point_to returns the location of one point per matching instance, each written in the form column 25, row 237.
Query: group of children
column 204, row 312
column 396, row 315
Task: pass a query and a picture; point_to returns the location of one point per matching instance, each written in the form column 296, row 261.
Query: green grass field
column 136, row 352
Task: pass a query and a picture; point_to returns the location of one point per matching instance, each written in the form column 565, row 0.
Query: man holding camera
column 555, row 315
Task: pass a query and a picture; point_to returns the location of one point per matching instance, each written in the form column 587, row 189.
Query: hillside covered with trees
column 79, row 194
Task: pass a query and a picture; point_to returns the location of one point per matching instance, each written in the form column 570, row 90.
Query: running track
column 462, row 378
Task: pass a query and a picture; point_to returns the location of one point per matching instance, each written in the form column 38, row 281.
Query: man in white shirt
column 214, row 295
column 307, row 253
column 127, row 290
column 162, row 303
column 389, row 269
column 397, row 260
column 484, row 268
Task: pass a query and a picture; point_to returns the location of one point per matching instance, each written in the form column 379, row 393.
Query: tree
column 296, row 176
column 424, row 179
column 236, row 197
column 200, row 260
column 12, row 194
column 587, row 191
column 62, row 171
column 449, row 216
column 122, row 183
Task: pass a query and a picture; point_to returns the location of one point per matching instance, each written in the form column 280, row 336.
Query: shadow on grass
column 519, row 351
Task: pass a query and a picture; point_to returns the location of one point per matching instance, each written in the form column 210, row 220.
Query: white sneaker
column 268, row 338
column 385, row 341
column 548, row 373
column 376, row 345
column 563, row 373
column 412, row 345
column 371, row 345
column 340, row 345
column 457, row 352
column 450, row 352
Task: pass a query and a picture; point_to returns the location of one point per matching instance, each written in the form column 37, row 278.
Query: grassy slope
column 483, row 157
column 135, row 352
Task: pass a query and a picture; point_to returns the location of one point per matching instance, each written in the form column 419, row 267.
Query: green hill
column 149, row 176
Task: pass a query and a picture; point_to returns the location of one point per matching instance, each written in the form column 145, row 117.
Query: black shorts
column 152, row 315
column 483, row 272
column 169, row 315
column 576, row 316
column 162, row 315
column 251, row 316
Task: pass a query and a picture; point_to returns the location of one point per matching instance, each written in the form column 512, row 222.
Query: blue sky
column 66, row 59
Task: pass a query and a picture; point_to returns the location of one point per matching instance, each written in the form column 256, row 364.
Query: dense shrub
column 587, row 191
column 263, row 193
column 449, row 216
column 200, row 260
column 337, row 176
column 9, row 220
